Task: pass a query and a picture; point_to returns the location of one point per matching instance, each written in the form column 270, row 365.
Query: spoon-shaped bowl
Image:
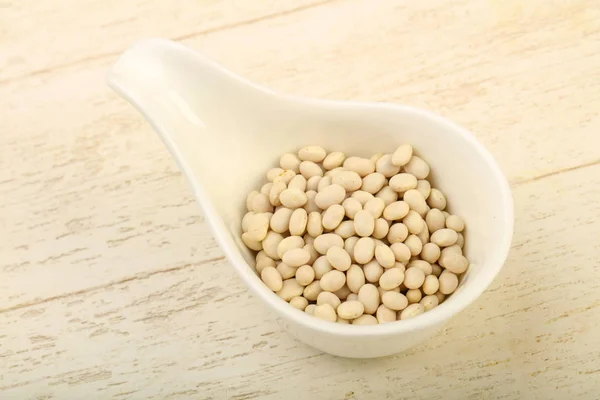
column 225, row 132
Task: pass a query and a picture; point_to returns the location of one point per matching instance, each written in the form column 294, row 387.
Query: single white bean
column 263, row 263
column 271, row 277
column 435, row 220
column 362, row 166
column 394, row 301
column 401, row 251
column 330, row 195
column 414, row 277
column 460, row 240
column 338, row 258
column 414, row 244
column 285, row 176
column 385, row 315
column 345, row 229
column 413, row 222
column 333, row 280
column 424, row 187
column 381, row 229
column 373, row 271
column 413, row 296
column 402, row 155
column 305, row 275
column 246, row 220
column 334, row 160
column 298, row 182
column 286, row 271
column 365, row 319
column 422, row 265
column 328, row 298
column 448, row 282
column 385, row 166
column 324, row 242
column 275, row 193
column 288, row 243
column 352, row 297
column 455, row 263
column 333, row 216
column 355, row 278
column 314, row 254
column 351, row 309
column 312, row 153
column 250, row 242
column 313, row 183
column 270, row 244
column 323, row 183
column 431, row 285
column 325, row 312
column 364, row 223
column 416, row 201
column 429, row 302
column 292, row 198
column 430, row 253
column 391, row 278
column 296, row 257
column 412, row 311
column 311, row 204
column 258, row 226
column 396, row 210
column 436, row 270
column 298, row 222
column 351, row 206
column 311, row 292
column 373, row 182
column 398, row 233
column 455, row 223
column 437, row 199
column 290, row 289
column 440, row 296
column 314, row 225
column 388, row 195
column 444, row 237
column 308, row 169
column 385, row 256
column 321, row 266
column 368, row 295
column 299, row 302
column 266, row 188
column 403, row 182
column 261, row 203
column 364, row 251
column 375, row 207
column 418, row 167
column 342, row 321
column 274, row 173
column 349, row 180
column 290, row 161
column 310, row 309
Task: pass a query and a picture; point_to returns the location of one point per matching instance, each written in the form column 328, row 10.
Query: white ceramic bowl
column 225, row 132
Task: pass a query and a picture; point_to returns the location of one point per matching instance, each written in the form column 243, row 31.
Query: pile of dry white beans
column 355, row 240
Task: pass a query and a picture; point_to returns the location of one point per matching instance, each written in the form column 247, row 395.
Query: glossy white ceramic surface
column 225, row 132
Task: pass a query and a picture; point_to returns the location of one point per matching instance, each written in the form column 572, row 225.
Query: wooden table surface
column 112, row 286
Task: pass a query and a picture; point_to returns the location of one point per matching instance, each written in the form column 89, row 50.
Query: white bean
column 334, row 160
column 401, row 251
column 285, row 176
column 436, row 270
column 381, row 228
column 430, row 253
column 271, row 277
column 330, row 195
column 398, row 233
column 345, row 229
column 292, row 198
column 333, row 216
column 448, row 282
column 246, row 220
column 403, row 182
column 352, row 297
column 394, row 301
column 325, row 312
column 413, row 222
column 298, row 222
column 261, row 203
column 351, row 309
column 338, row 258
column 310, row 309
column 275, row 193
column 258, row 226
column 429, row 302
column 391, row 278
column 444, row 237
column 342, row 321
column 266, row 188
column 328, row 298
column 412, row 311
column 362, row 166
column 290, row 289
column 323, row 183
column 373, row 182
column 274, row 173
column 413, row 296
column 321, row 266
column 286, row 271
column 364, row 223
column 414, row 244
column 314, row 225
column 385, row 315
column 305, row 275
column 270, row 244
column 418, row 167
column 308, row 169
column 460, row 240
column 311, row 205
column 312, row 153
column 416, row 201
column 250, row 242
column 402, row 155
column 290, row 161
column 385, row 256
column 453, row 262
column 351, row 206
column 365, row 319
column 298, row 182
column 333, row 280
column 422, row 265
column 299, row 302
column 296, row 257
column 355, row 278
column 368, row 295
column 388, row 195
column 349, row 180
column 396, row 210
column 313, row 183
column 324, row 242
column 373, row 271
column 375, row 207
column 314, row 254
column 424, row 187
column 364, row 251
column 414, row 277
column 311, row 292
column 431, row 285
column 435, row 220
column 263, row 263
column 437, row 199
column 455, row 223
column 349, row 245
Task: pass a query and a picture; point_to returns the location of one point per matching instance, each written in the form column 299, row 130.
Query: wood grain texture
column 111, row 285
